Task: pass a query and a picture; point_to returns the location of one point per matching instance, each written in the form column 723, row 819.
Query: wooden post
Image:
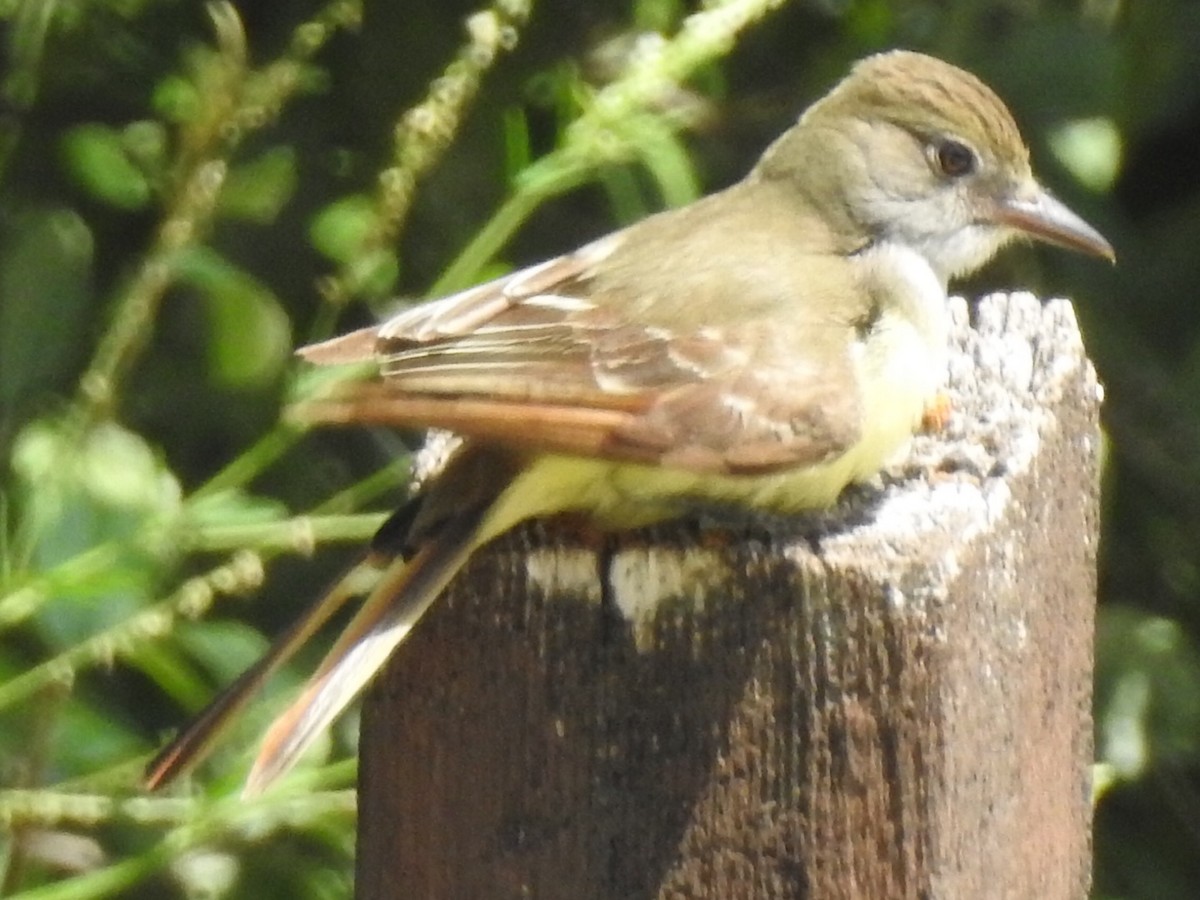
column 888, row 701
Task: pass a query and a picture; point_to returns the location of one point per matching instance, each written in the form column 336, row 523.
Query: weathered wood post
column 891, row 701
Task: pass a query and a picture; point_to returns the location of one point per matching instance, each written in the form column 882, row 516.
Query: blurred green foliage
column 189, row 191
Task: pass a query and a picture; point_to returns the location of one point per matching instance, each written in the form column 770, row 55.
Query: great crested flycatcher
column 764, row 346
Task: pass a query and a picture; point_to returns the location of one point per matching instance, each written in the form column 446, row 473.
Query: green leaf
column 341, row 229
column 176, row 99
column 256, row 191
column 112, row 478
column 147, row 144
column 1091, row 149
column 107, row 492
column 223, row 648
column 1147, row 691
column 45, row 291
column 250, row 337
column 96, row 158
column 374, row 274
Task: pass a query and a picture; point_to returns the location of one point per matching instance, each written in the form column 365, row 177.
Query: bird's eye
column 953, row 159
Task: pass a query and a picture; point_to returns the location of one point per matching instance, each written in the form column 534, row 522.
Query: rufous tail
column 198, row 738
column 404, row 592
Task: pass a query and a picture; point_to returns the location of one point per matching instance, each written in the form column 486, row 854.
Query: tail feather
column 198, row 738
column 404, row 592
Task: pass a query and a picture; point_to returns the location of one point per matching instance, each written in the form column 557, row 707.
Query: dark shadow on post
column 890, row 701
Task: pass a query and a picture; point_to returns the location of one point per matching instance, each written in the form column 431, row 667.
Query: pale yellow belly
column 626, row 495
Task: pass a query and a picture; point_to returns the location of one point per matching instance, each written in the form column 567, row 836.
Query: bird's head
column 913, row 150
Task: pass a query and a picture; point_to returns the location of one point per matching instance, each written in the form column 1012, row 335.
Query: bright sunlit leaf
column 1091, row 149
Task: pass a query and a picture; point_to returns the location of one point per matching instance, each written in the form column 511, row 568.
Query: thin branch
column 421, row 137
column 240, row 102
column 607, row 132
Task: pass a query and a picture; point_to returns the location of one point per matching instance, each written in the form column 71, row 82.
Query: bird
column 764, row 346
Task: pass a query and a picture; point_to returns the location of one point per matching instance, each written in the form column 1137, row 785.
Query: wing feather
column 554, row 358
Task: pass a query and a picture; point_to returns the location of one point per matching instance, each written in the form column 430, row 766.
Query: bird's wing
column 543, row 360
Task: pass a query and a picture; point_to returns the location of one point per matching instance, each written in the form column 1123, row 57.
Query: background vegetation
column 187, row 191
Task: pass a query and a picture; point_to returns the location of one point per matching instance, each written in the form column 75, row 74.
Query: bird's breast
column 902, row 358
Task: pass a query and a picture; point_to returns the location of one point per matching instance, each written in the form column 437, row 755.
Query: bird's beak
column 1040, row 215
